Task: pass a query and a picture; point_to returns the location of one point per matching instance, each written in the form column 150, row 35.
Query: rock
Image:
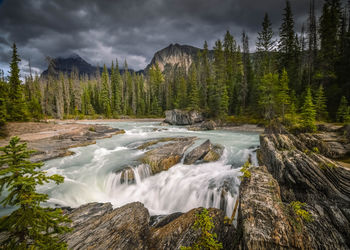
column 214, row 154
column 150, row 143
column 127, row 176
column 183, row 117
column 98, row 226
column 208, row 125
column 309, row 177
column 206, row 151
column 162, row 220
column 180, row 232
column 164, row 157
column 263, row 218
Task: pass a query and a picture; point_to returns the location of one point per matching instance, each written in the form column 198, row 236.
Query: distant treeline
column 302, row 76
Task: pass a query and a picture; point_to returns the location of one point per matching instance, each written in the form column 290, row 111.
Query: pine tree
column 265, row 45
column 16, row 106
column 30, row 226
column 283, row 99
column 308, row 113
column 105, row 93
column 3, row 97
column 312, row 41
column 343, row 110
column 156, row 78
column 193, row 96
column 321, row 104
column 267, row 95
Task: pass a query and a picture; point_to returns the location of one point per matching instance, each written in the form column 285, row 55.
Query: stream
column 91, row 174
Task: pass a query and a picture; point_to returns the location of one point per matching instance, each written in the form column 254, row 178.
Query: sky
column 102, row 30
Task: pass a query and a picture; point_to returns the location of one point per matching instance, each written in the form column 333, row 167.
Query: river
column 90, row 174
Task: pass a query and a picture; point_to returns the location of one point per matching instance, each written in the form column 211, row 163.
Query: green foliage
column 308, row 113
column 343, row 114
column 315, row 150
column 321, row 104
column 207, row 239
column 246, row 173
column 30, row 226
column 298, row 210
column 267, row 95
column 283, row 98
column 16, row 106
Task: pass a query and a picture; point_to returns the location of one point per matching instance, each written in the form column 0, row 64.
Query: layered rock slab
column 206, row 152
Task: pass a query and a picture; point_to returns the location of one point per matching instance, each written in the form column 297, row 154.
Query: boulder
column 179, row 232
column 127, row 175
column 205, row 152
column 309, row 177
column 214, row 154
column 264, row 220
column 208, row 125
column 98, row 226
column 183, row 117
column 164, row 157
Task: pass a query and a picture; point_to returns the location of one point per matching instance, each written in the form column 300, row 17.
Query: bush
column 207, row 239
column 245, row 171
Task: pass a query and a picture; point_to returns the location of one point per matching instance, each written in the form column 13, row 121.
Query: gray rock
column 98, row 226
column 205, row 152
column 208, row 125
column 263, row 219
column 164, row 157
column 183, row 117
column 309, row 177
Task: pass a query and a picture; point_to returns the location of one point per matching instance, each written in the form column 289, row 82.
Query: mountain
column 175, row 55
column 74, row 61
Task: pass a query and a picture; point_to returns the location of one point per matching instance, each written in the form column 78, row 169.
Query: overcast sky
column 100, row 31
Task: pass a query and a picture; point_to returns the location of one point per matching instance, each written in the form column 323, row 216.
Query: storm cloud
column 101, row 31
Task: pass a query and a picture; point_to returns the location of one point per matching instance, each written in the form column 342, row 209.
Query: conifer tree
column 265, row 45
column 343, row 110
column 3, row 97
column 30, row 226
column 321, row 104
column 267, row 95
column 308, row 113
column 283, row 93
column 105, row 93
column 16, row 106
column 193, row 95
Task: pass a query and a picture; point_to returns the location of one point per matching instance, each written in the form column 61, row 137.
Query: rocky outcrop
column 179, row 232
column 99, row 226
column 265, row 222
column 307, row 176
column 205, row 152
column 127, row 175
column 208, row 125
column 183, row 117
column 164, row 157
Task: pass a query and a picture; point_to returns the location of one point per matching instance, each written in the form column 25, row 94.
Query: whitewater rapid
column 92, row 174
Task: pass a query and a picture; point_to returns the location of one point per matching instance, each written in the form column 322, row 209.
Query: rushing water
column 90, row 174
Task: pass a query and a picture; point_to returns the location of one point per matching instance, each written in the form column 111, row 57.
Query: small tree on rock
column 343, row 110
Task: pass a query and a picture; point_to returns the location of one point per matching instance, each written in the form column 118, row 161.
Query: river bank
column 54, row 139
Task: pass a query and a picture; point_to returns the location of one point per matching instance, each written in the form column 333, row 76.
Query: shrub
column 207, row 239
column 298, row 210
column 245, row 171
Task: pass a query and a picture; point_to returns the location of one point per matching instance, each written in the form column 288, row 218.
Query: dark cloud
column 103, row 30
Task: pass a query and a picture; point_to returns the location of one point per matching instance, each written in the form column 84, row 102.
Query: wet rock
column 208, row 125
column 150, row 143
column 205, row 152
column 180, row 232
column 162, row 220
column 214, row 154
column 183, row 117
column 307, row 176
column 98, row 226
column 263, row 219
column 164, row 157
column 127, row 175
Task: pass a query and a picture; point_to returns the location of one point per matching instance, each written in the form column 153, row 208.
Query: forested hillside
column 301, row 76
